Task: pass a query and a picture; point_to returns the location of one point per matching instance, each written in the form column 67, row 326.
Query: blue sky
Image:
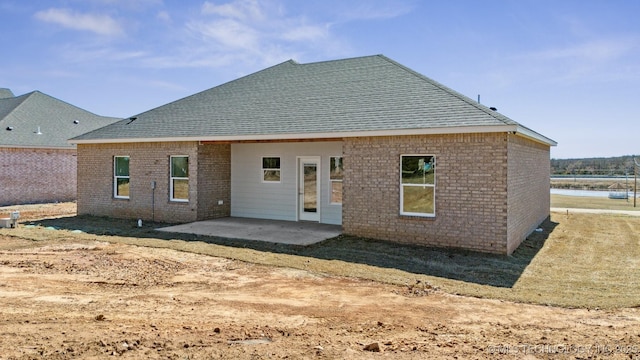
column 569, row 69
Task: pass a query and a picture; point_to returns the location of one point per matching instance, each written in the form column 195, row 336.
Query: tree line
column 611, row 166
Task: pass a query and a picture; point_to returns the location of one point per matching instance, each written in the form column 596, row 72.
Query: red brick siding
column 214, row 180
column 471, row 190
column 491, row 189
column 37, row 175
column 528, row 188
column 148, row 162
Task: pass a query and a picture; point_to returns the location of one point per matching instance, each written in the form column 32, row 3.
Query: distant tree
column 620, row 165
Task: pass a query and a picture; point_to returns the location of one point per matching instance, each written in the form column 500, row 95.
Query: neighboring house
column 37, row 163
column 365, row 142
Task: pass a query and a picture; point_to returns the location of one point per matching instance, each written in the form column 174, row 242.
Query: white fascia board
column 306, row 136
column 72, row 147
column 532, row 135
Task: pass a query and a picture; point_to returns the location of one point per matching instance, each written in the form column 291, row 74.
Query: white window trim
column 172, row 178
column 427, row 215
column 331, row 181
column 262, row 170
column 116, row 177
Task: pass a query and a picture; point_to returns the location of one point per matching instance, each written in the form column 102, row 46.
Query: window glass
column 336, row 192
column 417, row 185
column 271, row 162
column 180, row 166
column 122, row 187
column 271, row 169
column 180, row 189
column 179, row 186
column 335, row 179
column 122, row 165
column 418, row 170
column 418, row 199
column 121, row 177
column 335, row 168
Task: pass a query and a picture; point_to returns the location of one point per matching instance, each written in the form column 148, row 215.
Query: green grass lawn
column 583, row 202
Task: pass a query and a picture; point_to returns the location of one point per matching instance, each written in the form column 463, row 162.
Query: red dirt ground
column 94, row 300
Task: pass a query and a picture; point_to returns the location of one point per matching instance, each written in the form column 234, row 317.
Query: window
column 121, row 177
column 417, row 185
column 271, row 169
column 335, row 179
column 179, row 186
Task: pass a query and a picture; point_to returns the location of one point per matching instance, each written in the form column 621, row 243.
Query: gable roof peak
column 355, row 58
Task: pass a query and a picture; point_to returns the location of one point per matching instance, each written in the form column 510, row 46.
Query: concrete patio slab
column 275, row 231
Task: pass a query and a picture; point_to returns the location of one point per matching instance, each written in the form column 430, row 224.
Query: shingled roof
column 362, row 96
column 5, row 93
column 40, row 121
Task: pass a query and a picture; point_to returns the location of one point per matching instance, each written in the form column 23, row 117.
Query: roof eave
column 532, row 135
column 325, row 135
column 41, row 147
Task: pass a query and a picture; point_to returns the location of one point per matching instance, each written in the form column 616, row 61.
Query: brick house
column 37, row 164
column 365, row 142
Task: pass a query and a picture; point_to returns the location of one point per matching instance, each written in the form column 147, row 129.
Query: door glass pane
column 310, row 194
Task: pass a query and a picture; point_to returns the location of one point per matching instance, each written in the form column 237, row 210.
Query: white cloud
column 166, row 85
column 163, row 16
column 86, row 54
column 99, row 24
column 239, row 9
column 306, row 33
column 592, row 61
column 372, row 10
column 228, row 33
column 592, row 51
column 237, row 34
column 127, row 4
column 260, row 32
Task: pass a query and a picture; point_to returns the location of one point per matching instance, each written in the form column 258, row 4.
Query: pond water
column 589, row 193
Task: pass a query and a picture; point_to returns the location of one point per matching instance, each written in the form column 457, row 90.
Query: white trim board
column 515, row 129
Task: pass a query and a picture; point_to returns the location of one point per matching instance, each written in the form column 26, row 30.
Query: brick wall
column 528, row 188
column 148, row 162
column 470, row 199
column 485, row 200
column 214, row 181
column 37, row 175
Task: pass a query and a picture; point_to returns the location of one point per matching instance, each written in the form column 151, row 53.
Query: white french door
column 309, row 188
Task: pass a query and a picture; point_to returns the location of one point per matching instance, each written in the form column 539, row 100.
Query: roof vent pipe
column 38, row 132
column 478, row 98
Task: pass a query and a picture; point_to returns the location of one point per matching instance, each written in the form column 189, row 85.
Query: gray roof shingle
column 22, row 116
column 371, row 93
column 5, row 93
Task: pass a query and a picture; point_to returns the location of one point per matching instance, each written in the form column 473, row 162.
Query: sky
column 568, row 69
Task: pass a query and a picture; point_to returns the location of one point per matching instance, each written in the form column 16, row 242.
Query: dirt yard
column 93, row 299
